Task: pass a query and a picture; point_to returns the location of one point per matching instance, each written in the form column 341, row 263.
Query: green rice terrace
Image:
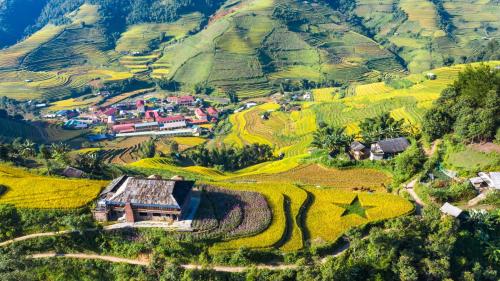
column 250, row 46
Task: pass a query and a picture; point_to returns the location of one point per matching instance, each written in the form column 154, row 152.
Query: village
column 172, row 116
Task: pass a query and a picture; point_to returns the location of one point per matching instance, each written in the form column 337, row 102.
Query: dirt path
column 91, row 256
column 145, row 262
column 35, row 235
column 432, row 150
column 414, row 195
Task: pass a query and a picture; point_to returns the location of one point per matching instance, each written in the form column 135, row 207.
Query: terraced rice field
column 140, row 37
column 72, row 103
column 26, row 190
column 278, row 181
column 313, row 174
column 324, row 94
column 289, row 133
column 328, row 217
column 284, row 232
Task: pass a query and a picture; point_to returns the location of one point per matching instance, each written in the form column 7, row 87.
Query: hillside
column 250, row 46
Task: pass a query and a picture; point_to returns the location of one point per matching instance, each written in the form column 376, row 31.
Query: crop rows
column 48, row 192
column 327, row 219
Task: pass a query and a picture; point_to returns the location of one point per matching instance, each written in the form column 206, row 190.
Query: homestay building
column 388, row 148
column 182, row 100
column 134, row 199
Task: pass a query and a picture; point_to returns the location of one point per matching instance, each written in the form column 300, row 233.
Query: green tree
column 9, row 222
column 333, row 139
column 409, row 162
column 381, row 127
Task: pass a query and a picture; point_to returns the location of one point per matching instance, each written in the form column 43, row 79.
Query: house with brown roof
column 388, row 148
column 134, row 199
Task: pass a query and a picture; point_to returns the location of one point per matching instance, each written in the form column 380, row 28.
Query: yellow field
column 324, row 94
column 326, row 219
column 71, row 104
column 280, row 198
column 110, row 75
column 288, row 133
column 189, row 141
column 278, row 180
column 26, row 190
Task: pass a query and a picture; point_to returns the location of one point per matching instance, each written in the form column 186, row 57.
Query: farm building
column 71, row 172
column 358, row 150
column 451, row 210
column 200, row 114
column 486, row 180
column 212, row 112
column 140, row 106
column 388, row 148
column 137, row 199
column 183, row 100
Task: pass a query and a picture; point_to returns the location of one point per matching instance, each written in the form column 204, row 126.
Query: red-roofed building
column 124, row 128
column 110, row 111
column 183, row 100
column 170, row 119
column 200, row 114
column 212, row 112
column 140, row 105
column 150, row 115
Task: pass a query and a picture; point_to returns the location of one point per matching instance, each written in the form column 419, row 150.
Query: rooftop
column 150, row 192
column 393, row 145
column 451, row 210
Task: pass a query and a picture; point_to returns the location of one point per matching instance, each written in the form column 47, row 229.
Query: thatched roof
column 357, row 146
column 393, row 145
column 147, row 192
column 71, row 172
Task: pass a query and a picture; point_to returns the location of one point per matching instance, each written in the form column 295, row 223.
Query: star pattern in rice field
column 354, row 208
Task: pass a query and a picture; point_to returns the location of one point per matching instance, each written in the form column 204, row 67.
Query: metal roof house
column 388, row 148
column 490, row 180
column 451, row 210
column 137, row 199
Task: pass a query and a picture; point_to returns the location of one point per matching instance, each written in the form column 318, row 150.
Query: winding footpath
column 145, row 262
column 418, row 201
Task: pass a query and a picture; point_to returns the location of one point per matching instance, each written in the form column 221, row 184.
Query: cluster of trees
column 15, row 222
column 333, row 139
column 381, row 127
column 230, row 158
column 54, row 157
column 468, row 108
column 19, row 151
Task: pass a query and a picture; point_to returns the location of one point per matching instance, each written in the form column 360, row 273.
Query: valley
column 249, row 140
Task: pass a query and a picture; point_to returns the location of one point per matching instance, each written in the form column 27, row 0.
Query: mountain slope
column 251, row 46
